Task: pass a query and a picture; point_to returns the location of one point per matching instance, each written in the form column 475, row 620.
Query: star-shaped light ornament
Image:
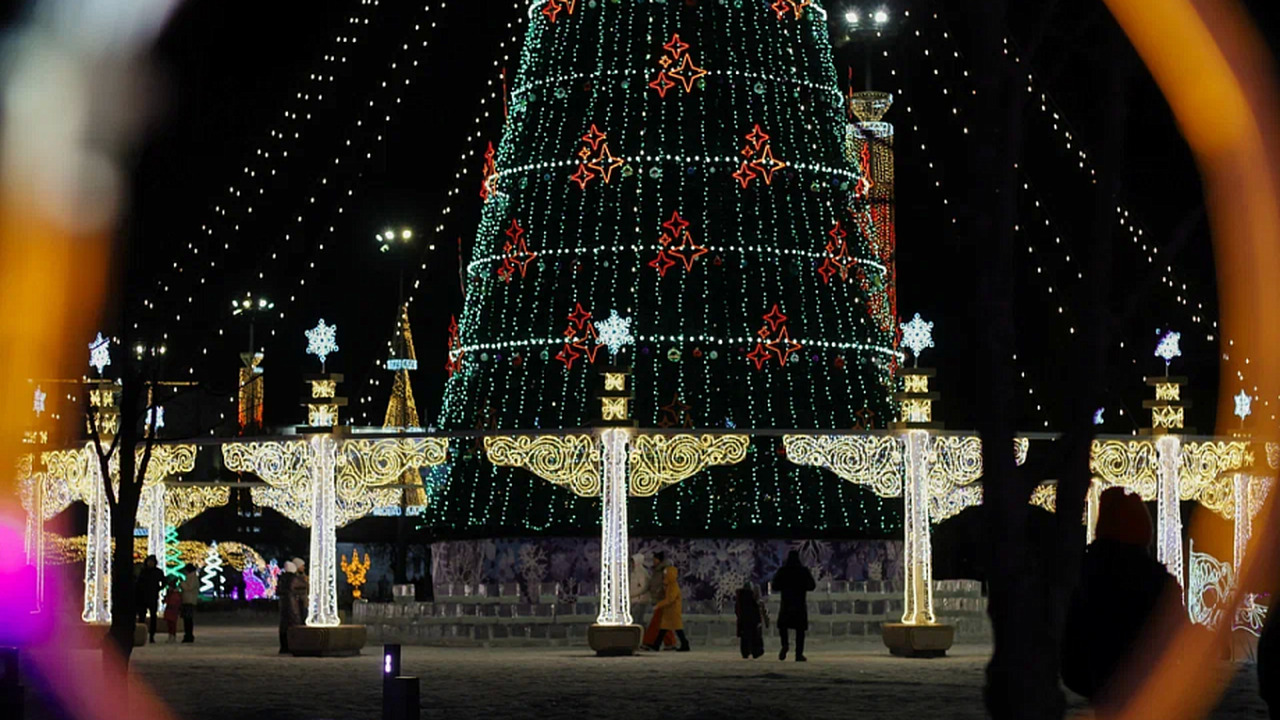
column 100, row 353
column 322, row 341
column 1167, row 349
column 38, row 402
column 615, row 332
column 1244, row 405
column 917, row 336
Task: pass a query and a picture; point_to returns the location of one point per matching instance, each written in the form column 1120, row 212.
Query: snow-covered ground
column 234, row 672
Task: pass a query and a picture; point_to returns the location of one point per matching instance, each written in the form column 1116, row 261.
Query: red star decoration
column 582, row 176
column 584, row 153
column 797, row 5
column 515, row 232
column 757, row 136
column 552, row 9
column 595, row 137
column 688, row 73
column 663, row 262
column 675, row 225
column 674, row 413
column 784, row 346
column 775, row 317
column 745, row 174
column 588, row 344
column 676, row 46
column 567, row 355
column 519, row 256
column 837, row 236
column 688, row 251
column 779, row 6
column 665, row 61
column 866, row 419
column 827, row 270
column 767, row 164
column 758, row 356
column 662, row 84
column 505, row 270
column 570, row 5
column 606, row 164
column 580, row 316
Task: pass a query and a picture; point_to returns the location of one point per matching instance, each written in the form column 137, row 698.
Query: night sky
column 230, row 70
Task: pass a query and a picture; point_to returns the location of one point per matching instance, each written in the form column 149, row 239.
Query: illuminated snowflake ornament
column 1168, row 349
column 100, row 353
column 322, row 341
column 1097, row 415
column 38, row 402
column 155, row 415
column 917, row 336
column 615, row 332
column 1244, row 405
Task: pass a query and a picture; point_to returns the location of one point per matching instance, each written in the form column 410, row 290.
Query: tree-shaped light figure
column 1244, row 406
column 211, row 583
column 322, row 341
column 615, row 332
column 917, row 336
column 37, row 403
column 1167, row 349
column 100, row 353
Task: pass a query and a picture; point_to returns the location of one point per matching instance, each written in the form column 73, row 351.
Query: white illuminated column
column 1243, row 520
column 97, row 549
column 153, row 503
column 917, row 547
column 615, row 591
column 323, row 601
column 1093, row 500
column 1168, row 511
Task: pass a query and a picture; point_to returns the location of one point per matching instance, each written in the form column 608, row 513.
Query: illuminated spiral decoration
column 873, row 460
column 184, row 503
column 166, row 461
column 1126, row 463
column 1204, row 478
column 658, row 461
column 571, row 461
column 73, row 470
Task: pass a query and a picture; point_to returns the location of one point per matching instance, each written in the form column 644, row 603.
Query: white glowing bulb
column 851, row 17
column 881, row 17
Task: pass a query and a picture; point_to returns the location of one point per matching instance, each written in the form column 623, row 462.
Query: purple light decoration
column 253, row 586
column 273, row 577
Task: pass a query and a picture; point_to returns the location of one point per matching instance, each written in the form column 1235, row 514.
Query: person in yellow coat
column 672, row 610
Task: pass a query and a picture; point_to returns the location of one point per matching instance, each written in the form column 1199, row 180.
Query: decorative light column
column 322, row 603
column 1168, row 414
column 916, row 402
column 97, row 550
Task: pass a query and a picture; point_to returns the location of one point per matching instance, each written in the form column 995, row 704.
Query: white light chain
column 615, row 589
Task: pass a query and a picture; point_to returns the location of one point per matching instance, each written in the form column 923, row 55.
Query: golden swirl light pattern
column 1204, row 473
column 284, row 466
column 183, row 503
column 1210, row 585
column 1273, row 455
column 73, row 470
column 571, row 461
column 955, row 466
column 1045, row 496
column 658, row 461
column 1126, row 463
column 873, row 460
column 166, row 461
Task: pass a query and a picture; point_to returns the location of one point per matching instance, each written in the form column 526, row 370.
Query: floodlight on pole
column 881, row 17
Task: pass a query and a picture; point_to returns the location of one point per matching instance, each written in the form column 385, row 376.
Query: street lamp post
column 866, row 23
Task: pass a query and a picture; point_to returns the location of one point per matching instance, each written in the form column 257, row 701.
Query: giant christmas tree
column 684, row 165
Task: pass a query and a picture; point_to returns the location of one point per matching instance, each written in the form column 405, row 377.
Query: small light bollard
column 11, row 693
column 390, row 669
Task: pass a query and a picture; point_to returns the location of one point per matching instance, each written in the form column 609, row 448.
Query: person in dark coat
column 148, row 586
column 300, row 593
column 795, row 582
column 284, row 593
column 1121, row 586
column 1269, row 662
column 753, row 618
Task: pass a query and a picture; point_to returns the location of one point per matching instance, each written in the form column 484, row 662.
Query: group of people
column 180, row 595
column 793, row 582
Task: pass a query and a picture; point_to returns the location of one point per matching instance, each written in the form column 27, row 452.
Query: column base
column 918, row 641
column 615, row 640
column 335, row 641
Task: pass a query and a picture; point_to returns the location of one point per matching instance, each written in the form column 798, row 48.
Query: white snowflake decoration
column 917, row 336
column 1097, row 416
column 1244, row 405
column 156, row 414
column 1168, row 348
column 615, row 332
column 38, row 403
column 100, row 353
column 322, row 341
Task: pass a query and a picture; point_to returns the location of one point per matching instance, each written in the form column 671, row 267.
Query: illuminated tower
column 402, row 411
column 869, row 145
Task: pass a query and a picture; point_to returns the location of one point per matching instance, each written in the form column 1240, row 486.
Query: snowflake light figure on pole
column 1168, row 349
column 322, row 341
column 38, row 402
column 615, row 332
column 1097, row 415
column 100, row 353
column 917, row 336
column 1244, row 406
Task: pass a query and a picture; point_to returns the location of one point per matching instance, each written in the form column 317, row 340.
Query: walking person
column 753, row 618
column 147, row 589
column 672, row 610
column 653, row 635
column 284, row 595
column 794, row 581
column 190, row 595
column 172, row 607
